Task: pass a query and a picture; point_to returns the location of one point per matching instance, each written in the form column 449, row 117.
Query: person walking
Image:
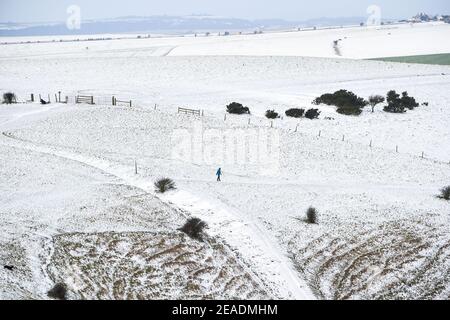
column 219, row 174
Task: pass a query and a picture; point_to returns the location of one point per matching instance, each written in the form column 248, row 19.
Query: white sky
column 55, row 10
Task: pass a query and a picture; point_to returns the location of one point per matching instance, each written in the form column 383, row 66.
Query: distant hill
column 167, row 24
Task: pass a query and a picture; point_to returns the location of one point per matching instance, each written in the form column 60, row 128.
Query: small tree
column 9, row 98
column 375, row 100
column 312, row 215
column 445, row 193
column 399, row 105
column 194, row 228
column 271, row 114
column 349, row 110
column 295, row 113
column 164, row 185
column 59, row 291
column 408, row 102
column 237, row 108
column 394, row 103
column 346, row 102
column 312, row 114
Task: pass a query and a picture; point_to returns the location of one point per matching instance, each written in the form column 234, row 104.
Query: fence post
column 92, row 99
column 249, row 121
column 59, row 95
column 56, row 98
column 370, row 145
column 135, row 167
column 155, row 106
column 320, row 133
column 343, row 138
column 271, row 124
column 423, row 154
column 113, row 101
column 296, row 128
column 396, row 149
column 32, row 97
column 131, row 103
column 225, row 117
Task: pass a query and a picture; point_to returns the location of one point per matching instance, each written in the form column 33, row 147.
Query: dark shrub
column 237, row 108
column 194, row 228
column 271, row 114
column 394, row 103
column 346, row 102
column 165, row 184
column 399, row 105
column 445, row 193
column 408, row 102
column 349, row 110
column 9, row 98
column 295, row 113
column 311, row 215
column 312, row 114
column 59, row 291
column 375, row 100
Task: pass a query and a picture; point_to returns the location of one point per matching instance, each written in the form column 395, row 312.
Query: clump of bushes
column 271, row 114
column 312, row 215
column 59, row 291
column 397, row 104
column 194, row 228
column 346, row 102
column 9, row 98
column 445, row 193
column 312, row 114
column 164, row 185
column 237, row 108
column 375, row 100
column 295, row 113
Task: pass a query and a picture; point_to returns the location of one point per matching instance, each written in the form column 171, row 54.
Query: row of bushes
column 348, row 103
column 295, row 113
column 237, row 108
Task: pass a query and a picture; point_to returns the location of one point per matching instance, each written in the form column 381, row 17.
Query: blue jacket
column 219, row 172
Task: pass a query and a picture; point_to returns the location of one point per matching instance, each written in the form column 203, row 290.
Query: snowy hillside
column 73, row 209
column 353, row 42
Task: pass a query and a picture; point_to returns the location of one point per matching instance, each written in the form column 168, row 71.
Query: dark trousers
column 218, row 178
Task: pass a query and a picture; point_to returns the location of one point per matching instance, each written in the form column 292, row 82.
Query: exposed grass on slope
column 143, row 266
column 439, row 59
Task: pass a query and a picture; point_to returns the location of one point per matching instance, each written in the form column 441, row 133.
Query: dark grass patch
column 194, row 228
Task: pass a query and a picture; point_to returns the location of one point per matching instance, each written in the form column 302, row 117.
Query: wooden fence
column 84, row 99
column 116, row 102
column 190, row 111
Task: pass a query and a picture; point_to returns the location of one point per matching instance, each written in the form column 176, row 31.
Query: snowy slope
column 68, row 170
column 355, row 43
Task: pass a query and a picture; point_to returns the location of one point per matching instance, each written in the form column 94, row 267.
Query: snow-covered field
column 72, row 209
column 354, row 42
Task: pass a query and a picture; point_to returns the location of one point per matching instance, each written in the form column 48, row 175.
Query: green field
column 440, row 59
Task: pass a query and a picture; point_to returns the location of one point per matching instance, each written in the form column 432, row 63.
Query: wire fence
column 250, row 122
